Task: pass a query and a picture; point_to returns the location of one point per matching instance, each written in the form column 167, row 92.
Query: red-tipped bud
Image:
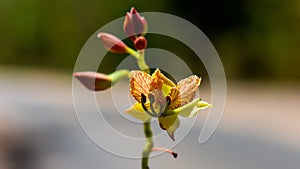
column 112, row 43
column 140, row 43
column 133, row 11
column 134, row 24
column 98, row 81
column 94, row 81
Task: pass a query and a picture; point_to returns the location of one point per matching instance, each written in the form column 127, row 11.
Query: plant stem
column 149, row 145
column 141, row 62
column 117, row 75
column 140, row 56
column 133, row 53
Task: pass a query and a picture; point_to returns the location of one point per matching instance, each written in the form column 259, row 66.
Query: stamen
column 151, row 98
column 143, row 101
column 168, row 98
column 174, row 154
column 168, row 102
column 153, row 110
column 161, row 109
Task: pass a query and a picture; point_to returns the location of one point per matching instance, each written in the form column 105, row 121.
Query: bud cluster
column 135, row 27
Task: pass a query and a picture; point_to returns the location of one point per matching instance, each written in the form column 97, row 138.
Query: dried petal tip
column 94, row 81
column 175, row 155
column 140, row 43
column 112, row 43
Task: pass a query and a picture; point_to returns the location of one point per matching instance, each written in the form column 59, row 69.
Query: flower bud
column 134, row 24
column 140, row 43
column 93, row 81
column 128, row 27
column 98, row 81
column 112, row 43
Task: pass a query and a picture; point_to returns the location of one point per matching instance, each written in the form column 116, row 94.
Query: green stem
column 141, row 62
column 140, row 57
column 117, row 75
column 133, row 53
column 149, row 145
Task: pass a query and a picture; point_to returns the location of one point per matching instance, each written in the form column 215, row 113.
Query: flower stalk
column 141, row 62
column 147, row 127
column 148, row 146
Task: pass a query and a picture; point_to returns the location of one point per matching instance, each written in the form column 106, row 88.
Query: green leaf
column 169, row 123
column 138, row 112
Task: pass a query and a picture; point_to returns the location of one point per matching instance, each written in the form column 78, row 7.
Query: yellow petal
column 203, row 105
column 166, row 89
column 192, row 108
column 139, row 83
column 157, row 82
column 184, row 92
column 138, row 112
column 169, row 123
column 158, row 75
column 188, row 110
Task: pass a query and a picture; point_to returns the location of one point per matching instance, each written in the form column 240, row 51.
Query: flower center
column 155, row 104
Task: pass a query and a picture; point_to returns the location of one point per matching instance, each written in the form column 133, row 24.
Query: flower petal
column 188, row 109
column 169, row 123
column 203, row 105
column 138, row 112
column 184, row 92
column 139, row 84
column 192, row 108
column 166, row 89
column 157, row 82
column 158, row 75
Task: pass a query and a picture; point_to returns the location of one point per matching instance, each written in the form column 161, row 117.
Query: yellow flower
column 157, row 96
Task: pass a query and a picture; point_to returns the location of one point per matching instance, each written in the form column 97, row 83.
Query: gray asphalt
column 260, row 127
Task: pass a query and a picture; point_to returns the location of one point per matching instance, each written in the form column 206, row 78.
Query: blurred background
column 258, row 43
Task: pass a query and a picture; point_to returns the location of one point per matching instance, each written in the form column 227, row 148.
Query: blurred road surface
column 260, row 128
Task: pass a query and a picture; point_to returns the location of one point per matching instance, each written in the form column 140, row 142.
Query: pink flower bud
column 134, row 24
column 112, row 43
column 140, row 43
column 128, row 27
column 94, row 81
column 98, row 81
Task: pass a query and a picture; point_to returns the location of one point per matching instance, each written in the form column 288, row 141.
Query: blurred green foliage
column 255, row 39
